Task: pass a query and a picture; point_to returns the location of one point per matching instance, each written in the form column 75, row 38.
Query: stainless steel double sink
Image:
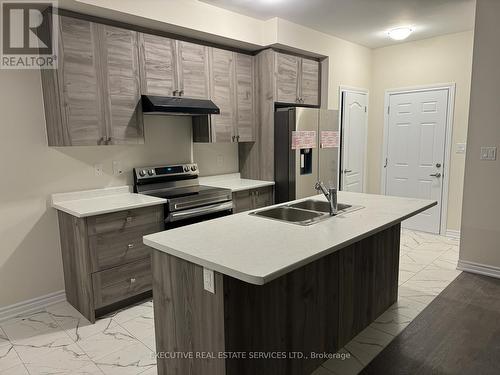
column 304, row 213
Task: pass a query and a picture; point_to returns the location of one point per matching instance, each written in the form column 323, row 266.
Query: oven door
column 198, row 214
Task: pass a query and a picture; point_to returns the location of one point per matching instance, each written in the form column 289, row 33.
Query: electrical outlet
column 220, row 160
column 98, row 169
column 488, row 153
column 117, row 168
column 209, row 280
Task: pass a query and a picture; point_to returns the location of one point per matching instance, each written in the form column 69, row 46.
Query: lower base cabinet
column 106, row 265
column 315, row 309
column 252, row 199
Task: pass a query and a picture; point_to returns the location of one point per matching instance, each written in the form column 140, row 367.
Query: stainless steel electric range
column 188, row 202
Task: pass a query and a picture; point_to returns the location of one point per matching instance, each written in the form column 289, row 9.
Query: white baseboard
column 480, row 269
column 32, row 305
column 452, row 233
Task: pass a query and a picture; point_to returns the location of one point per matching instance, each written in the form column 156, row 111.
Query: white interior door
column 416, row 150
column 354, row 130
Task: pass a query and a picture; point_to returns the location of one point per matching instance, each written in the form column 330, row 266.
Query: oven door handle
column 187, row 214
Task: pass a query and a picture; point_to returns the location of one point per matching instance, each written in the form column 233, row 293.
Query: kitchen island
column 283, row 296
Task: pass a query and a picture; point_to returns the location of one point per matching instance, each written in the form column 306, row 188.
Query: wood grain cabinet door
column 309, row 82
column 287, row 78
column 121, row 84
column 242, row 201
column 263, row 197
column 222, row 86
column 158, row 70
column 73, row 93
column 245, row 97
column 192, row 63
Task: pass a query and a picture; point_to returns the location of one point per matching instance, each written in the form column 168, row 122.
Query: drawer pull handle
column 129, row 219
column 133, row 280
column 130, row 245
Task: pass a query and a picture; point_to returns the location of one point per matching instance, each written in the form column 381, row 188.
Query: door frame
column 450, row 114
column 358, row 90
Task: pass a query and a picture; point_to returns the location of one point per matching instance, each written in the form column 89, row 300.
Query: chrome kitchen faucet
column 330, row 194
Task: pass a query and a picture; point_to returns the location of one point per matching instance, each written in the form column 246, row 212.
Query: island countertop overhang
column 257, row 250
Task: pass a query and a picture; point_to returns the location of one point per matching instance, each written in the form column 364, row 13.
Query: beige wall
column 30, row 259
column 444, row 59
column 481, row 204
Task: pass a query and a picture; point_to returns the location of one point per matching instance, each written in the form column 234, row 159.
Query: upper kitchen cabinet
column 121, row 83
column 192, row 70
column 232, row 90
column 73, row 94
column 297, row 80
column 93, row 98
column 309, row 82
column 245, row 97
column 158, row 66
column 173, row 68
column 287, row 78
column 222, row 86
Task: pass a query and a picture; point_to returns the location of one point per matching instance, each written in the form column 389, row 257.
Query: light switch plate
column 461, row 147
column 209, row 280
column 488, row 153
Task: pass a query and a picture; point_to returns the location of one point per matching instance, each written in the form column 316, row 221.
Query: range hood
column 176, row 105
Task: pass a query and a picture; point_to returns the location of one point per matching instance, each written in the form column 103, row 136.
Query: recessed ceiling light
column 400, row 33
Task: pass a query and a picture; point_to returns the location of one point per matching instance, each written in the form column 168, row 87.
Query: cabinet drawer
column 119, row 283
column 123, row 220
column 111, row 249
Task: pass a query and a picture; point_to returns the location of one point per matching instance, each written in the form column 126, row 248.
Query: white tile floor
column 58, row 340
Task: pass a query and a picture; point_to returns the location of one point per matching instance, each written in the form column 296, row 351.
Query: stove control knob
column 151, row 172
column 193, row 168
column 186, row 168
column 142, row 173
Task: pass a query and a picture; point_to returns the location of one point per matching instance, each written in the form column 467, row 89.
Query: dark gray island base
column 317, row 308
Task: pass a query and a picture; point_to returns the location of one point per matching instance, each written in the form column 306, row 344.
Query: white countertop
column 102, row 201
column 257, row 250
column 234, row 182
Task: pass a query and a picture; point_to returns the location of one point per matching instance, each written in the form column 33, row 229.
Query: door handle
column 435, row 175
column 347, row 170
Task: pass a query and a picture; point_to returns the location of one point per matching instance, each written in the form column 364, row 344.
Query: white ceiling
column 365, row 22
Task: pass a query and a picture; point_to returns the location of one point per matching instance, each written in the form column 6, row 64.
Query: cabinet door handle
column 175, row 92
column 133, row 280
column 99, row 142
column 297, row 100
column 181, row 92
column 435, row 175
column 233, row 138
column 238, row 138
column 130, row 246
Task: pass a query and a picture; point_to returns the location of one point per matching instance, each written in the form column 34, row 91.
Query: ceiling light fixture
column 400, row 33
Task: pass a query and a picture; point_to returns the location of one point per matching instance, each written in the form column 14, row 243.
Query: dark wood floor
column 458, row 333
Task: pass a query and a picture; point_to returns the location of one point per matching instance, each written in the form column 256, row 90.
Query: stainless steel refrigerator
column 298, row 162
